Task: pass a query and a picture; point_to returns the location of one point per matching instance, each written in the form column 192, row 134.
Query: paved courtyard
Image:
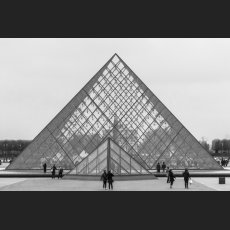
column 48, row 184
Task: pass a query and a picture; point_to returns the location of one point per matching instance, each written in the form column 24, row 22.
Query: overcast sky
column 40, row 76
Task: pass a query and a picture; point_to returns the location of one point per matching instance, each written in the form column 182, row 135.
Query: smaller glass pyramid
column 109, row 156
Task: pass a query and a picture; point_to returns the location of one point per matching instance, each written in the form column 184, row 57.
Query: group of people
column 53, row 171
column 159, row 167
column 224, row 162
column 171, row 178
column 170, row 175
column 107, row 177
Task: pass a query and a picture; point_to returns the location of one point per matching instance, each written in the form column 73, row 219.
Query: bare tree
column 205, row 144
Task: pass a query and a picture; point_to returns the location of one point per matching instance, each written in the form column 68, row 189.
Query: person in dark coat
column 53, row 171
column 158, row 167
column 163, row 166
column 110, row 179
column 44, row 167
column 186, row 176
column 60, row 172
column 171, row 178
column 104, row 179
column 222, row 161
column 227, row 161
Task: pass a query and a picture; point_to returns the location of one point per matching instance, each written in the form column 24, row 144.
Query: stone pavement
column 48, row 184
column 9, row 181
column 214, row 183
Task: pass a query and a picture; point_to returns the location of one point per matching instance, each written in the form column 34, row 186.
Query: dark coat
column 158, row 166
column 110, row 177
column 186, row 175
column 104, row 177
column 44, row 167
column 171, row 176
column 54, row 169
column 60, row 171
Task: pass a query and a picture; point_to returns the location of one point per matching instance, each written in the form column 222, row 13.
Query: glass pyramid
column 115, row 103
column 108, row 156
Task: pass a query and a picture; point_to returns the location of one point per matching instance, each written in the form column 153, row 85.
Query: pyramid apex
column 115, row 58
column 115, row 55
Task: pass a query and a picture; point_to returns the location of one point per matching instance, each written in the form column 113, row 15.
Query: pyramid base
column 116, row 178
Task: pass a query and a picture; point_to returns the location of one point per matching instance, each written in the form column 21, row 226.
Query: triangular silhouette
column 109, row 156
column 115, row 103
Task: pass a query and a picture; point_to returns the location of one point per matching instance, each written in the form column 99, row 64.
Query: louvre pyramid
column 109, row 156
column 115, row 103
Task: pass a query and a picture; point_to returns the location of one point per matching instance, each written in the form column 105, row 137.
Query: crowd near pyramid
column 114, row 122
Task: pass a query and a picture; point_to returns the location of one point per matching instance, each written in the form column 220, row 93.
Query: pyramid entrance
column 115, row 108
column 109, row 156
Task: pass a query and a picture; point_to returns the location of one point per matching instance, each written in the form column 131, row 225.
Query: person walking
column 186, row 176
column 171, row 177
column 110, row 179
column 44, row 167
column 163, row 167
column 167, row 174
column 104, row 179
column 158, row 167
column 222, row 161
column 60, row 172
column 227, row 161
column 53, row 171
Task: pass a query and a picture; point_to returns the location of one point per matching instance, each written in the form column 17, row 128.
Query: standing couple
column 171, row 178
column 107, row 177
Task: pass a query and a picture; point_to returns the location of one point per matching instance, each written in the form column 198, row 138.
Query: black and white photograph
column 114, row 114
